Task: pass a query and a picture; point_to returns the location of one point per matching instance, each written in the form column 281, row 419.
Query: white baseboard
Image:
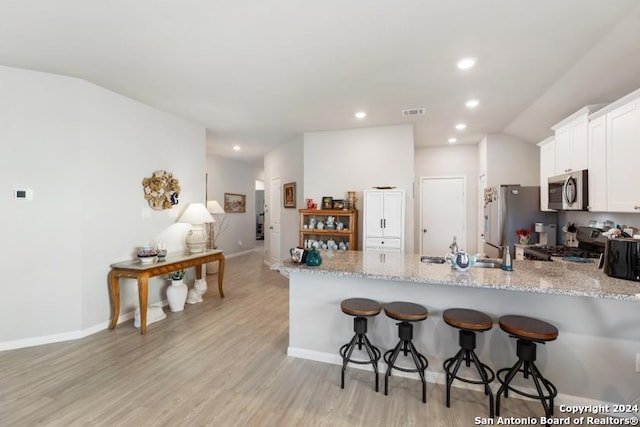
column 440, row 378
column 66, row 336
column 235, row 254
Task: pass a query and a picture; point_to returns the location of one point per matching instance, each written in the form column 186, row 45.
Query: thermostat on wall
column 23, row 194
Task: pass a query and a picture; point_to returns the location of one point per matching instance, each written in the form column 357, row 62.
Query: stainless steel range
column 591, row 244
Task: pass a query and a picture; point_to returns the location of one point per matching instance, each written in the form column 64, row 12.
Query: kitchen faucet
column 453, row 247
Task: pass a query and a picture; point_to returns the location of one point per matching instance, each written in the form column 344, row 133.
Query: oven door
column 556, row 194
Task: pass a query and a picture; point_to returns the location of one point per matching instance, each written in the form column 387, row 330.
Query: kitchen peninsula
column 592, row 361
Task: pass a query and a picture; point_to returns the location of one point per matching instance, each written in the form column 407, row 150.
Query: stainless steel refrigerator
column 508, row 208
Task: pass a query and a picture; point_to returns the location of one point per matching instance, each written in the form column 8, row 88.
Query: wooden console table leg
column 114, row 291
column 220, row 275
column 143, row 296
column 198, row 269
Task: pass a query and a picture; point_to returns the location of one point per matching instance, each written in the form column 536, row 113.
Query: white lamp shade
column 214, row 207
column 196, row 213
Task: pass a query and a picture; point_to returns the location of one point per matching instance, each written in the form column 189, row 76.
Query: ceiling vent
column 413, row 112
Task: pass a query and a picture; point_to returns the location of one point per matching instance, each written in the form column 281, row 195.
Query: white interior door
column 443, row 214
column 275, row 202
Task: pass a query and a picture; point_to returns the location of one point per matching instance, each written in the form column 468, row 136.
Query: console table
column 142, row 273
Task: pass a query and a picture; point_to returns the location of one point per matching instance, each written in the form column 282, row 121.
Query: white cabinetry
column 597, row 164
column 383, row 227
column 547, row 169
column 623, row 152
column 571, row 140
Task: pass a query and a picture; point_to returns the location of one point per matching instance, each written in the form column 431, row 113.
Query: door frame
column 271, row 218
column 464, row 213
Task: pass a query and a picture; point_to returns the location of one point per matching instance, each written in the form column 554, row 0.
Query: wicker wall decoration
column 161, row 190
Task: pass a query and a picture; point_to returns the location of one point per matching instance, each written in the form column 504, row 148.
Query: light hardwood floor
column 218, row 363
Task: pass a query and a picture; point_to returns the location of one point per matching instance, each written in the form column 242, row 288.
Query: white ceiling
column 259, row 72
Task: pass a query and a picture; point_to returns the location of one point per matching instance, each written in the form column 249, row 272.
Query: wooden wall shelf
column 349, row 218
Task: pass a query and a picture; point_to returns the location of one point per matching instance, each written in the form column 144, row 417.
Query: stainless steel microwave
column 569, row 191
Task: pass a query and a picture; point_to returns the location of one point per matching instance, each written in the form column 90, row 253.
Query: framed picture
column 235, row 203
column 327, row 202
column 290, row 195
column 338, row 204
column 297, row 255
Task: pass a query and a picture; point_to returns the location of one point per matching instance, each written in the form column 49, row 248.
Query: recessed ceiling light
column 461, row 126
column 466, row 63
column 236, row 147
column 453, row 140
column 472, row 103
column 360, row 115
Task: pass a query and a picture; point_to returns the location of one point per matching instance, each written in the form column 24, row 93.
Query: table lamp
column 197, row 215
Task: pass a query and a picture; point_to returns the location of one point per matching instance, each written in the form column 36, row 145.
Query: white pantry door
column 275, row 201
column 443, row 214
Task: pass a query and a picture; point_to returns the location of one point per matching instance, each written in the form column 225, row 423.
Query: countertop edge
column 411, row 279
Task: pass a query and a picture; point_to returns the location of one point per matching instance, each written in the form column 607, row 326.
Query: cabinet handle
column 384, row 221
column 381, row 223
column 636, row 207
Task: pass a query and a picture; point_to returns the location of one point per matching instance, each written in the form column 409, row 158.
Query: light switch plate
column 23, row 194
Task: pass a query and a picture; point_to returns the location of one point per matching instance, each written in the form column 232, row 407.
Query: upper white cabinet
column 383, row 225
column 571, row 141
column 623, row 152
column 597, row 164
column 547, row 169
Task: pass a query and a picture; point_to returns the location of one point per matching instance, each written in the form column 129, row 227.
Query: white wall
column 452, row 160
column 84, row 151
column 509, row 160
column 356, row 159
column 232, row 176
column 287, row 163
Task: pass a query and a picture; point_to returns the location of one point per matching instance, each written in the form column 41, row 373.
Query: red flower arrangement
column 522, row 232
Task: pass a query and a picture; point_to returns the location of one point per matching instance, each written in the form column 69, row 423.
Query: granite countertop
column 557, row 277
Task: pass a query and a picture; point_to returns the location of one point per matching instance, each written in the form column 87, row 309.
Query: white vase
column 177, row 295
column 212, row 267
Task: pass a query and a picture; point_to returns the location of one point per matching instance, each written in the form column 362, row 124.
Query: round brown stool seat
column 406, row 312
column 468, row 322
column 361, row 308
column 528, row 331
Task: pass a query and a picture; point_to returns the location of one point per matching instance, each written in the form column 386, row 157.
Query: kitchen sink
column 487, row 263
column 432, row 259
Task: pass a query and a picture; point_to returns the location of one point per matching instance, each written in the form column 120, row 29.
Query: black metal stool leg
column 504, row 387
column 467, row 341
column 526, row 364
column 420, row 367
column 360, row 340
column 373, row 356
column 452, row 375
column 405, row 333
column 348, row 349
column 485, row 380
column 390, row 363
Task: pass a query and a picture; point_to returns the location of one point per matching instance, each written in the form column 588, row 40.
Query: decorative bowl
column 147, row 259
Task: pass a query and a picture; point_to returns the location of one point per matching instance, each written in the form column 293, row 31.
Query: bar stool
column 361, row 308
column 468, row 322
column 528, row 331
column 406, row 312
